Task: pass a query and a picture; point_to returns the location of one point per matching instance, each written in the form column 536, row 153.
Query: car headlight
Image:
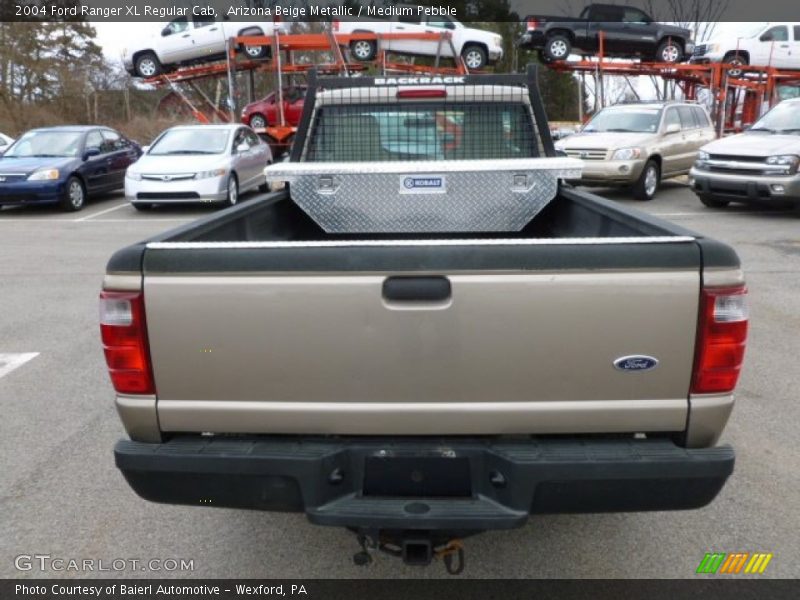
column 133, row 175
column 786, row 160
column 44, row 175
column 703, row 155
column 211, row 173
column 626, row 154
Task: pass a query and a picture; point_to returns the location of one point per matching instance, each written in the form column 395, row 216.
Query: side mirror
column 145, row 149
column 241, row 148
column 672, row 128
column 90, row 152
column 166, row 31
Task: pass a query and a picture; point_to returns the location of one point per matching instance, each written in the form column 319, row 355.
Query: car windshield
column 639, row 120
column 46, row 144
column 191, row 141
column 784, row 118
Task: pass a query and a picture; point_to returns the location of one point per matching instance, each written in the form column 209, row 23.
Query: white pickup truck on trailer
column 476, row 46
column 193, row 39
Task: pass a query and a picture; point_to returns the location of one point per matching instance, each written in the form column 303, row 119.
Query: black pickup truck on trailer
column 627, row 33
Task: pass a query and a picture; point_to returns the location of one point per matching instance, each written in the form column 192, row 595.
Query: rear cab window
column 422, row 131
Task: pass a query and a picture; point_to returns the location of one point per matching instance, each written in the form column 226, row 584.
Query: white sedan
column 198, row 163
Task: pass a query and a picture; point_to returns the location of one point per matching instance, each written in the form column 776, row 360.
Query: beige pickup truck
column 419, row 387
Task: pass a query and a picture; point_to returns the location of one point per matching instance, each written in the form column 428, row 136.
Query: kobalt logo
column 423, row 182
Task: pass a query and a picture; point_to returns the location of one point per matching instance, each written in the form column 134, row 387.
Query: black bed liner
column 271, row 233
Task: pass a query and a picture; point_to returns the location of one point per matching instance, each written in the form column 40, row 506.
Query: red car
column 266, row 111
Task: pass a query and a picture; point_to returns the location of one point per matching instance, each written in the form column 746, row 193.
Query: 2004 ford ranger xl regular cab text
column 428, row 334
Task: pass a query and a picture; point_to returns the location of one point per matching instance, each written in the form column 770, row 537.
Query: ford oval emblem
column 636, row 362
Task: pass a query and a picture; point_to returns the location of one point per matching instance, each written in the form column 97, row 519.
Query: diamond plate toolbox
column 418, row 197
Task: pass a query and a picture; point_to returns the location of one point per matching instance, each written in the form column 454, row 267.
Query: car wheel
column 255, row 52
column 669, row 51
column 647, row 185
column 474, row 57
column 142, row 205
column 363, row 50
column 233, row 191
column 258, row 121
column 737, row 61
column 148, row 65
column 74, row 195
column 711, row 202
column 557, row 47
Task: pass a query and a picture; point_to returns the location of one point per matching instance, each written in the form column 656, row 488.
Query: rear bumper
column 425, row 484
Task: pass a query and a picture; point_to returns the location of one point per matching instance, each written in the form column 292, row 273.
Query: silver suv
column 759, row 166
column 638, row 145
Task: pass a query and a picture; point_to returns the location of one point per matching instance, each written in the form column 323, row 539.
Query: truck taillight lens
column 533, row 23
column 721, row 337
column 124, row 334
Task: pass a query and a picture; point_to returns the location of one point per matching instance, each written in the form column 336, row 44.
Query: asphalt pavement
column 61, row 495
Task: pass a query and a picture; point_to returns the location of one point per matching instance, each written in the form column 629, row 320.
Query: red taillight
column 721, row 336
column 533, row 23
column 422, row 94
column 124, row 334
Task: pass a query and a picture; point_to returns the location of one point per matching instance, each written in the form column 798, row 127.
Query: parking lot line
column 710, row 214
column 9, row 362
column 102, row 212
column 148, row 220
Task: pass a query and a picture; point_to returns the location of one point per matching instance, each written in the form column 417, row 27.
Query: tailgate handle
column 416, row 289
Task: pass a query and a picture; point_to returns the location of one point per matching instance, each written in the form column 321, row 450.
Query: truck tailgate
column 502, row 352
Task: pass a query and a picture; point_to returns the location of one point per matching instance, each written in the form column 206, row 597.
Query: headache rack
column 423, row 154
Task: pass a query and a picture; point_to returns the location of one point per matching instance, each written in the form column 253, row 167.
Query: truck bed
column 574, row 218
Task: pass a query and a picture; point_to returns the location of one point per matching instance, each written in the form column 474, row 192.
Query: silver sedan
column 198, row 163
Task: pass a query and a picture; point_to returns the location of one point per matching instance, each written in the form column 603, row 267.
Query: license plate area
column 417, row 476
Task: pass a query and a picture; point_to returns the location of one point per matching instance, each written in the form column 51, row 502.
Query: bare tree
column 701, row 16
